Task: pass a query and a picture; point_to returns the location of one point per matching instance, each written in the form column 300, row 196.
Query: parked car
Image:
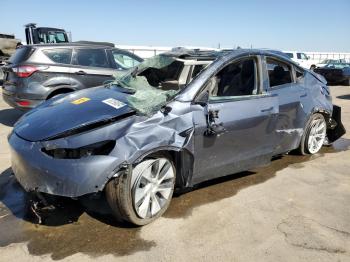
column 36, row 73
column 335, row 73
column 156, row 128
column 330, row 61
column 301, row 59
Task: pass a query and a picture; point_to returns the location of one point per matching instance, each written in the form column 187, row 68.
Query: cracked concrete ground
column 296, row 209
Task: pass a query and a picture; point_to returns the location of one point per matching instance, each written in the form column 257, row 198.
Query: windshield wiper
column 120, row 88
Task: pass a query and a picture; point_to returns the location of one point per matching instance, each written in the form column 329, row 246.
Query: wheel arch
column 59, row 90
column 182, row 159
column 326, row 114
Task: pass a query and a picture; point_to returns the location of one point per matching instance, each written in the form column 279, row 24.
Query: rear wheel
column 314, row 135
column 145, row 195
column 59, row 92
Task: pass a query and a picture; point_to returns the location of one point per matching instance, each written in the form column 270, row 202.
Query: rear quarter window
column 299, row 74
column 124, row 60
column 59, row 55
column 21, row 55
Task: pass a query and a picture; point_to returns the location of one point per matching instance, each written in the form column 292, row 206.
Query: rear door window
column 280, row 73
column 21, row 55
column 91, row 57
column 59, row 55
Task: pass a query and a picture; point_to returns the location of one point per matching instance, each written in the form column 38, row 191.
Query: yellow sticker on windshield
column 80, row 100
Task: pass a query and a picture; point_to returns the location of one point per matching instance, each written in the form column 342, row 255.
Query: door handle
column 81, row 72
column 303, row 95
column 267, row 109
column 215, row 129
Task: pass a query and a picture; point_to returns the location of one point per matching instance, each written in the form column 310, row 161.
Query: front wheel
column 145, row 194
column 314, row 135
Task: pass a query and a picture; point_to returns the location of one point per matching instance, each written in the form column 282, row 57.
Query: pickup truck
column 301, row 58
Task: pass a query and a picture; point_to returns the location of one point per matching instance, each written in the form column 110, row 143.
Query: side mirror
column 166, row 110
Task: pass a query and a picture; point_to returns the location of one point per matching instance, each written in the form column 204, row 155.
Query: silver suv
column 36, row 73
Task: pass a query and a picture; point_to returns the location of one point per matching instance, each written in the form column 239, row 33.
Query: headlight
column 100, row 148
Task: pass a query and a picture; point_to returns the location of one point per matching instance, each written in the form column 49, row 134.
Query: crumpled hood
column 76, row 110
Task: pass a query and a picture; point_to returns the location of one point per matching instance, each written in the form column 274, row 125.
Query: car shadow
column 8, row 117
column 62, row 211
column 344, row 97
column 85, row 225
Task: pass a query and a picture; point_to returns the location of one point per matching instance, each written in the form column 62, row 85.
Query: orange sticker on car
column 80, row 100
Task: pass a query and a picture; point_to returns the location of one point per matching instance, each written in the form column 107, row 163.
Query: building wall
column 318, row 56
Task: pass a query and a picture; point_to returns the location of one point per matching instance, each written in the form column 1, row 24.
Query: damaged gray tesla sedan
column 176, row 120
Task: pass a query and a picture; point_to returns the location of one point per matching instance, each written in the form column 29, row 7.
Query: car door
column 91, row 67
column 234, row 132
column 290, row 93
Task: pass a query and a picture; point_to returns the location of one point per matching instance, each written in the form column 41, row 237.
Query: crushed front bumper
column 36, row 171
column 338, row 130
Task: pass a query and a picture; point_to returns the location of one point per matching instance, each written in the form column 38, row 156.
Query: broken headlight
column 100, row 148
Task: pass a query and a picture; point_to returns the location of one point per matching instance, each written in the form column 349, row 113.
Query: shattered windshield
column 152, row 83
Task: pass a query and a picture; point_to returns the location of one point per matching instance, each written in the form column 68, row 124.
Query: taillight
column 26, row 70
column 23, row 103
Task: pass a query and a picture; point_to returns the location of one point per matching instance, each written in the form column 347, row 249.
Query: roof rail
column 95, row 43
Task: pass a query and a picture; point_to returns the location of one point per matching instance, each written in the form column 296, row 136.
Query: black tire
column 303, row 147
column 119, row 197
column 59, row 92
column 347, row 82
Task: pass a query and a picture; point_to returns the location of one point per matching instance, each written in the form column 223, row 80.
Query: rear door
column 290, row 93
column 59, row 71
column 91, row 67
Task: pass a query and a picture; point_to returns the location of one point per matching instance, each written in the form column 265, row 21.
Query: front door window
column 236, row 79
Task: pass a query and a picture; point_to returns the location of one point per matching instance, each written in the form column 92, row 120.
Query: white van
column 301, row 58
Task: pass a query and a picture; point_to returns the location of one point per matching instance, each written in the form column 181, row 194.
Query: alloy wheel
column 153, row 183
column 317, row 135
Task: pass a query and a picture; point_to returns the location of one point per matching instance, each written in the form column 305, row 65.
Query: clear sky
column 307, row 25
